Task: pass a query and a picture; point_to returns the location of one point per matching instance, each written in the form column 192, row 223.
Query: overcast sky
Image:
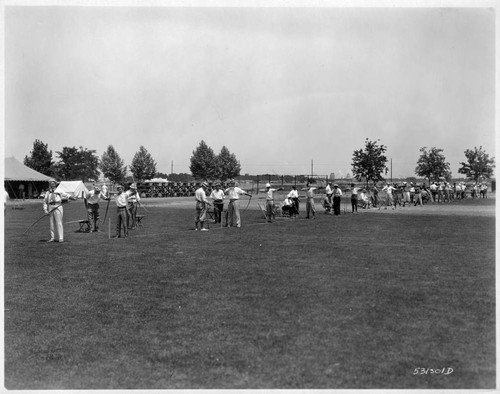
column 278, row 87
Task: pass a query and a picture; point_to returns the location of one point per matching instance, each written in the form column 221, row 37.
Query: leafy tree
column 203, row 162
column 369, row 163
column 40, row 158
column 478, row 166
column 432, row 165
column 77, row 164
column 112, row 165
column 227, row 165
column 143, row 166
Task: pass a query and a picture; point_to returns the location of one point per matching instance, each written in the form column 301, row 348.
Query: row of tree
column 369, row 164
column 84, row 164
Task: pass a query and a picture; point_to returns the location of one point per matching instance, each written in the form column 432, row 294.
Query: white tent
column 73, row 188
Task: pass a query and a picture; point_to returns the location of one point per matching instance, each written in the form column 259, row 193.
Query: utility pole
column 391, row 170
column 172, row 168
column 312, row 168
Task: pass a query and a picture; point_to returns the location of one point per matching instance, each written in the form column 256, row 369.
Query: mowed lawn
column 358, row 301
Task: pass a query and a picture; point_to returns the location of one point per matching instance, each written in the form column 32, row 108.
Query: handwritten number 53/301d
column 433, row 371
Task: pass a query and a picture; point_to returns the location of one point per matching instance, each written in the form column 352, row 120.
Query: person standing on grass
column 121, row 212
column 218, row 196
column 233, row 209
column 201, row 207
column 375, row 201
column 434, row 191
column 133, row 204
column 270, row 214
column 294, row 196
column 354, row 197
column 329, row 193
column 395, row 196
column 337, row 197
column 418, row 196
column 92, row 200
column 405, row 190
column 104, row 190
column 389, row 200
column 310, row 207
column 52, row 206
column 484, row 190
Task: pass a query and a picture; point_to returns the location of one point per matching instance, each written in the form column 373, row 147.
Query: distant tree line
column 84, row 164
column 369, row 164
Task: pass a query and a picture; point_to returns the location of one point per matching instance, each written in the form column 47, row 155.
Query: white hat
column 268, row 185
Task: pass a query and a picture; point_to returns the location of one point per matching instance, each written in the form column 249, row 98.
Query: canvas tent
column 73, row 188
column 20, row 179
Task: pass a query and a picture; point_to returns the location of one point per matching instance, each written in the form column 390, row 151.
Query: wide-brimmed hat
column 204, row 184
column 52, row 181
column 119, row 187
column 268, row 185
column 133, row 186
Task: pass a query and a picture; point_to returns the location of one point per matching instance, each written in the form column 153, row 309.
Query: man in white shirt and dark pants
column 92, row 200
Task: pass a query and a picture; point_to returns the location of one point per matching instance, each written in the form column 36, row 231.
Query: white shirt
column 293, row 194
column 200, row 195
column 388, row 189
column 217, row 194
column 52, row 198
column 328, row 190
column 310, row 192
column 269, row 194
column 234, row 193
column 133, row 195
column 93, row 197
column 121, row 200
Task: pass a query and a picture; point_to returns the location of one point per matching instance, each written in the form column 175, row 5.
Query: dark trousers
column 354, row 202
column 295, row 202
column 93, row 216
column 132, row 218
column 218, row 208
column 121, row 221
column 336, row 205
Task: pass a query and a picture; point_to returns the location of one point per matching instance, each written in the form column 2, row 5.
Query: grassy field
column 372, row 300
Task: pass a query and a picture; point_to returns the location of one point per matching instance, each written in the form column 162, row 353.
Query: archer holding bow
column 233, row 209
column 92, row 200
column 52, row 206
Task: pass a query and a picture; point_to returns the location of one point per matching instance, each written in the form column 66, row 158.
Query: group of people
column 233, row 193
column 126, row 203
column 289, row 206
column 403, row 194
